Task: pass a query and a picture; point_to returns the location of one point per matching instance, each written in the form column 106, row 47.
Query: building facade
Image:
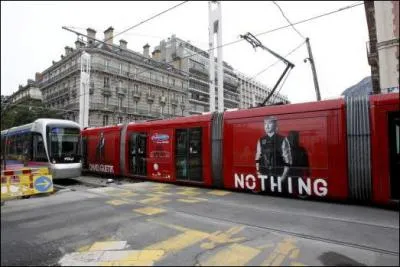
column 253, row 93
column 30, row 93
column 383, row 47
column 124, row 85
column 195, row 62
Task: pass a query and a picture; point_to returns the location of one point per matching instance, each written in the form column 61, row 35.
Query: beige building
column 383, row 47
column 253, row 93
column 124, row 85
column 25, row 93
column 195, row 62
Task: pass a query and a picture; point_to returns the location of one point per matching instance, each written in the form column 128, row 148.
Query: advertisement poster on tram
column 160, row 154
column 282, row 156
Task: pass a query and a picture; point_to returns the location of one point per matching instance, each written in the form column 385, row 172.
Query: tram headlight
column 53, row 161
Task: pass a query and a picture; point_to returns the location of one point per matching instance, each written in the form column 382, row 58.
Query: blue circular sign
column 42, row 184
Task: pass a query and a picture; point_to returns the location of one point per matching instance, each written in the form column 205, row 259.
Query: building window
column 105, row 120
column 120, row 119
column 106, row 101
column 106, row 63
column 120, row 68
column 119, row 103
column 107, row 82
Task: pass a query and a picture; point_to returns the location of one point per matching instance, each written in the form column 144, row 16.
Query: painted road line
column 179, row 242
column 281, row 251
column 117, row 202
column 219, row 237
column 149, row 210
column 112, row 258
column 191, row 200
column 189, row 193
column 154, row 201
column 218, row 193
column 109, row 245
column 234, row 255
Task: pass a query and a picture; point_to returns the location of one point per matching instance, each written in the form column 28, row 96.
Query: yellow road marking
column 281, row 251
column 191, row 200
column 189, row 193
column 295, row 263
column 295, row 254
column 234, row 255
column 149, row 210
column 219, row 237
column 117, row 202
column 153, row 201
column 180, row 241
column 219, row 193
column 110, row 245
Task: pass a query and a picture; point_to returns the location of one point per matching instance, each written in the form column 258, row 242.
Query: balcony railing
column 121, row 90
column 106, row 91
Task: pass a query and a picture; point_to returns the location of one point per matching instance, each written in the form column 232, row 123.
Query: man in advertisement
column 100, row 148
column 273, row 156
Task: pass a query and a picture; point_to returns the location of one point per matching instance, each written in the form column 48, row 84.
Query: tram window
column 39, row 152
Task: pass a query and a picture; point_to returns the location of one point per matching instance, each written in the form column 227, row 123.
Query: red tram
column 343, row 149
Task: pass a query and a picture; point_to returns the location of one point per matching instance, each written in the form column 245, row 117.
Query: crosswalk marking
column 181, row 241
column 234, row 255
column 219, row 193
column 149, row 210
column 110, row 245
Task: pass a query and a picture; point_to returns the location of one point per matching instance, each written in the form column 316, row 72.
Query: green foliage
column 14, row 115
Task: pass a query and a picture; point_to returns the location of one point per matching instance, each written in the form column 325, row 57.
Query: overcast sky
column 32, row 36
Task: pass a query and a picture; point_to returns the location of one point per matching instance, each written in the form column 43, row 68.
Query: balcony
column 174, row 102
column 150, row 97
column 136, row 95
column 121, row 91
column 163, row 100
column 106, row 91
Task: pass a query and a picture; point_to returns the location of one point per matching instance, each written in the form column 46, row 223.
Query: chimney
column 146, row 50
column 67, row 51
column 91, row 36
column 20, row 87
column 30, row 82
column 79, row 44
column 123, row 44
column 108, row 36
column 156, row 54
column 38, row 76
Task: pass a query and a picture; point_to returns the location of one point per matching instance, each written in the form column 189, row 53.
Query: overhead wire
column 272, row 30
column 146, row 20
column 239, row 40
column 283, row 14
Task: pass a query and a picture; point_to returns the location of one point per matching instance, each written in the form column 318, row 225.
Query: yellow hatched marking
column 295, row 263
column 219, row 237
column 137, row 258
column 191, row 200
column 234, row 255
column 295, row 254
column 111, row 245
column 117, row 202
column 149, row 210
column 158, row 193
column 180, row 241
column 189, row 193
column 83, row 248
column 154, row 201
column 281, row 251
column 219, row 193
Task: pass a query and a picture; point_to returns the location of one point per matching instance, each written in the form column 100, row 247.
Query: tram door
column 188, row 155
column 85, row 164
column 137, row 154
column 394, row 148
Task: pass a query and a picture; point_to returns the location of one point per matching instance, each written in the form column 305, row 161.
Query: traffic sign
column 43, row 184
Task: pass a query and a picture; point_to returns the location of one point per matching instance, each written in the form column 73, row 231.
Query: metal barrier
column 25, row 182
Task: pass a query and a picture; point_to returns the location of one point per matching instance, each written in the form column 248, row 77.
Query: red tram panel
column 317, row 130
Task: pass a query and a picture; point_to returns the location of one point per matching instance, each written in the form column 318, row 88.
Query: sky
column 32, row 37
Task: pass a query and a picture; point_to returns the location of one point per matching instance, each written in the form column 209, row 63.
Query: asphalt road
column 161, row 224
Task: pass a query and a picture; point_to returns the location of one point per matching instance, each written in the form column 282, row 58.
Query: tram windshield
column 64, row 144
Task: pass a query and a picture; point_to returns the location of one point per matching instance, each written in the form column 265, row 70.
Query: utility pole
column 311, row 59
